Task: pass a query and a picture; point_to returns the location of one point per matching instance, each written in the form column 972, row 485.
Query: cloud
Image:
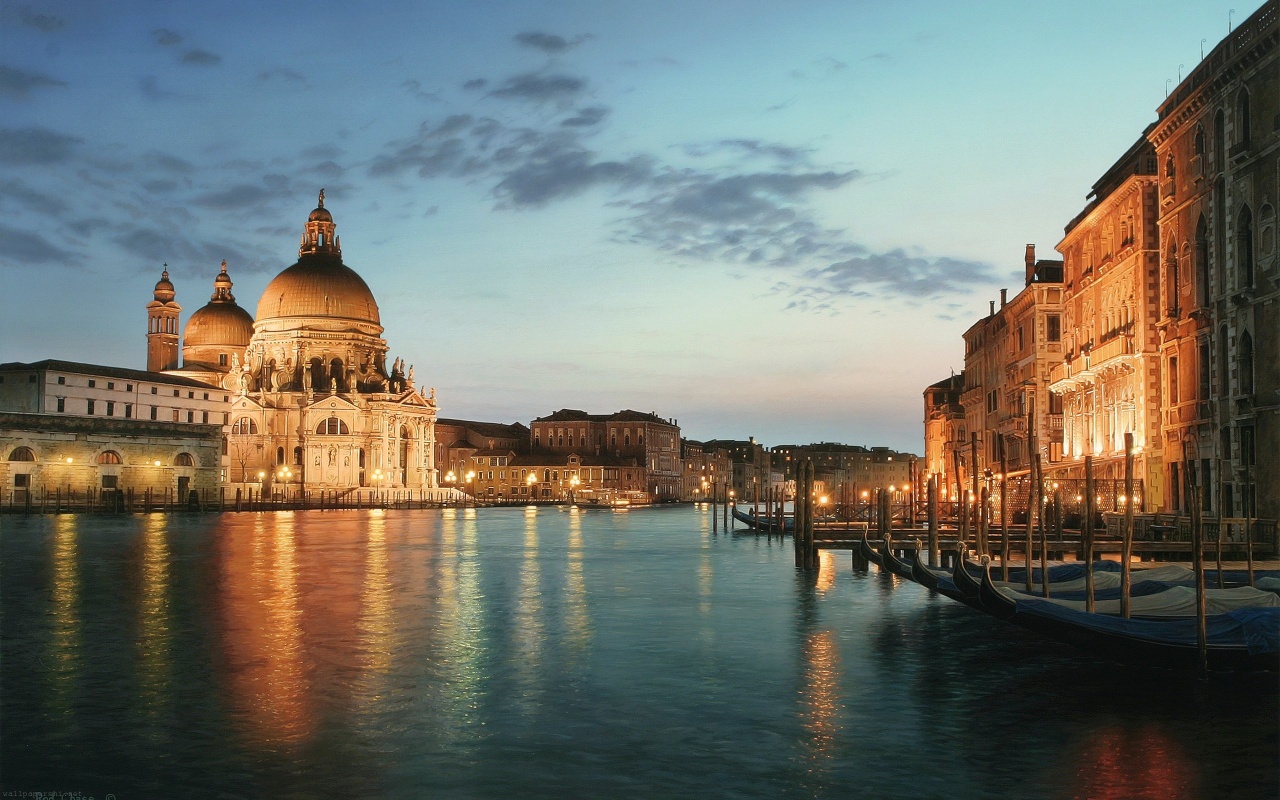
column 24, row 196
column 755, row 148
column 475, row 84
column 165, row 37
column 201, row 58
column 41, row 22
column 540, row 88
column 149, row 85
column 559, row 169
column 18, row 83
column 284, row 74
column 35, row 146
column 549, row 43
column 591, row 115
column 914, row 276
column 19, row 248
column 238, row 196
column 327, row 170
column 168, row 163
column 414, row 88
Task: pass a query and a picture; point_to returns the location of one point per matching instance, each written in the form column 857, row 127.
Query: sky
column 768, row 219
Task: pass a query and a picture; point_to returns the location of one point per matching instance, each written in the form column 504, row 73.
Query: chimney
column 1004, row 297
column 992, row 312
column 1031, row 263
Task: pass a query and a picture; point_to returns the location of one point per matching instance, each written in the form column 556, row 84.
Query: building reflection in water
column 575, row 590
column 1133, row 763
column 376, row 625
column 458, row 629
column 155, row 621
column 826, row 571
column 64, row 643
column 529, row 622
column 821, row 694
column 262, row 633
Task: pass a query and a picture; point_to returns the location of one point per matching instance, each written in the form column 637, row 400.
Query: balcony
column 1238, row 150
column 1168, row 191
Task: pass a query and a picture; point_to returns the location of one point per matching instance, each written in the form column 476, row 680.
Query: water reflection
column 155, row 622
column 1132, row 763
column 262, row 634
column 529, row 620
column 377, row 624
column 64, row 589
column 575, row 590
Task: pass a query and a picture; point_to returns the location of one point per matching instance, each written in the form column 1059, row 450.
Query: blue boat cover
column 1254, row 629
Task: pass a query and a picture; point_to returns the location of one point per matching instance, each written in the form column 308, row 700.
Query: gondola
column 763, row 523
column 923, row 575
column 966, row 583
column 1245, row 640
column 867, row 552
column 894, row 564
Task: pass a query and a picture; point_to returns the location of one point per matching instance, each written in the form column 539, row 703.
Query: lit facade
column 944, row 433
column 1218, row 150
column 626, row 437
column 1108, row 383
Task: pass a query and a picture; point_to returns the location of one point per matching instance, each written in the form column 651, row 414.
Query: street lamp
column 284, row 475
column 377, row 485
column 530, row 481
column 471, row 488
column 573, row 489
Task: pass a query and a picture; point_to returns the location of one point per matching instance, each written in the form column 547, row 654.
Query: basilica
column 313, row 402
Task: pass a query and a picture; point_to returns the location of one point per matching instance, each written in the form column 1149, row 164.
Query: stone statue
column 321, row 200
column 410, row 373
column 333, row 386
column 432, row 398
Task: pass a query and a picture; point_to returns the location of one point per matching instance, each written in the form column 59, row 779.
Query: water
column 512, row 653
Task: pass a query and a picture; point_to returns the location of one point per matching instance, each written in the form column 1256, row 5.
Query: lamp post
column 284, row 475
column 471, row 486
column 573, row 489
column 451, row 479
column 377, row 485
column 529, row 481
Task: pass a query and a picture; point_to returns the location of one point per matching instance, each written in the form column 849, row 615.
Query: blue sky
column 760, row 218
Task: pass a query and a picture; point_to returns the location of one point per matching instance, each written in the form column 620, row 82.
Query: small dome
column 319, row 285
column 220, row 324
column 320, row 214
column 164, row 288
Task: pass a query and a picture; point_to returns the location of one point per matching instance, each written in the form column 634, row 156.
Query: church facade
column 314, row 403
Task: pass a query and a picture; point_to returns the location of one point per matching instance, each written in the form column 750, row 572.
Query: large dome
column 319, row 285
column 219, row 323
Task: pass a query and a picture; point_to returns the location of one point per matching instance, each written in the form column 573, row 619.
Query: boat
column 1242, row 640
column 763, row 523
column 893, row 564
column 867, row 552
column 966, row 582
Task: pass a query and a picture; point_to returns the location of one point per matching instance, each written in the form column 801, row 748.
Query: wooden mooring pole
column 1004, row 513
column 1126, row 546
column 1044, row 533
column 1086, row 534
column 933, row 522
column 1197, row 564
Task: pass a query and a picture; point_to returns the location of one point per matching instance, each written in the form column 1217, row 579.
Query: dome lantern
column 318, row 236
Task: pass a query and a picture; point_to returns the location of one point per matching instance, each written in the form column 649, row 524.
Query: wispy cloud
column 23, row 248
column 201, row 58
column 549, row 43
column 540, row 88
column 47, row 23
column 35, row 146
column 19, row 83
column 165, row 37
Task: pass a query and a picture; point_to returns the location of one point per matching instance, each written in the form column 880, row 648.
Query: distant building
column 1217, row 145
column 1009, row 355
column 708, row 471
column 625, row 438
column 457, row 440
column 944, row 434
column 78, row 426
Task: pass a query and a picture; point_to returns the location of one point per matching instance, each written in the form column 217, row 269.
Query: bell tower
column 162, row 327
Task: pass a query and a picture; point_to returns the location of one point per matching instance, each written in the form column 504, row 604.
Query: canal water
column 509, row 653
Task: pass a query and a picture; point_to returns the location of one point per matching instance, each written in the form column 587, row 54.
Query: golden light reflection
column 262, row 631
column 826, row 570
column 460, row 623
column 1133, row 763
column 64, row 644
column 155, row 636
column 575, row 590
column 821, row 694
column 528, row 622
column 377, row 624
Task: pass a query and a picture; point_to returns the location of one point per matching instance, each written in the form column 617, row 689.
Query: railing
column 1119, row 346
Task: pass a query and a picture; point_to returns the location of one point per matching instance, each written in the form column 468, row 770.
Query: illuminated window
column 331, row 427
column 184, row 460
column 109, row 457
column 244, row 425
column 22, row 454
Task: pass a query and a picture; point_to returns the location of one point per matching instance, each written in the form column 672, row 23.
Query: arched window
column 184, row 460
column 1171, row 281
column 571, row 440
column 318, row 383
column 1244, row 246
column 22, row 454
column 336, row 373
column 1169, row 170
column 279, row 455
column 626, row 438
column 1246, row 363
column 332, row 427
column 244, row 425
column 546, row 476
column 1198, row 142
column 1242, row 117
column 297, row 456
column 1202, row 262
column 109, row 457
